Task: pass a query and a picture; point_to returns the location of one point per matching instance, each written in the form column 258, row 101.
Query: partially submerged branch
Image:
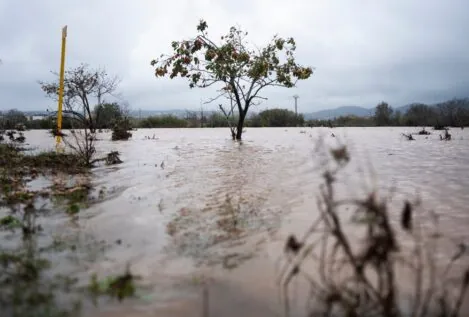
column 423, row 132
column 446, row 136
column 409, row 137
column 112, row 158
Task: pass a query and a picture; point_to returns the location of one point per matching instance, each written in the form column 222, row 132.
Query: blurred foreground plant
column 120, row 287
column 373, row 266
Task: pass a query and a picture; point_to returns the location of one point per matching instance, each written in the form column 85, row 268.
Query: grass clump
column 119, row 287
column 72, row 198
column 10, row 222
column 14, row 158
column 67, row 162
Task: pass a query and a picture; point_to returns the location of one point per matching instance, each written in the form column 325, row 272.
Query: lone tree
column 383, row 113
column 240, row 71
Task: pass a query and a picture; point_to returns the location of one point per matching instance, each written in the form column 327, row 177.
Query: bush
column 120, row 130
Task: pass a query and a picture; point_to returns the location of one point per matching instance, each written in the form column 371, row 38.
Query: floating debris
column 423, row 132
column 408, row 136
column 446, row 137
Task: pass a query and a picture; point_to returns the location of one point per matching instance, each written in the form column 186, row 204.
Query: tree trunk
column 240, row 125
column 233, row 133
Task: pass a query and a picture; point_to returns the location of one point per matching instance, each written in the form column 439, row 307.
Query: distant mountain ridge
column 340, row 111
column 360, row 111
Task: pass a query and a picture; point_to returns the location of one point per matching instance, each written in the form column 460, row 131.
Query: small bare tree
column 81, row 86
column 240, row 70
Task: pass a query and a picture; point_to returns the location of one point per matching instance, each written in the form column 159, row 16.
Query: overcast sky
column 364, row 51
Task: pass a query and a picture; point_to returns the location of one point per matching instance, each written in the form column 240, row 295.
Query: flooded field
column 189, row 207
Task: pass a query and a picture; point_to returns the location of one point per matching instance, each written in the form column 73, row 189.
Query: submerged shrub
column 120, row 130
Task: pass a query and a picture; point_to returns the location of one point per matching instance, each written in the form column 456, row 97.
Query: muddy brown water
column 217, row 213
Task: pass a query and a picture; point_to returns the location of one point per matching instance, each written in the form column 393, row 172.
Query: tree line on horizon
column 106, row 115
column 451, row 113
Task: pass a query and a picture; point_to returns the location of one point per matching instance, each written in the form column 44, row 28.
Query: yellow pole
column 61, row 85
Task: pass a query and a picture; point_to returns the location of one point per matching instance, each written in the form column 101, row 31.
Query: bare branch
column 216, row 98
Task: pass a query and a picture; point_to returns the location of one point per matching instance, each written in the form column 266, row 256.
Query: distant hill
column 341, row 111
column 353, row 111
column 148, row 113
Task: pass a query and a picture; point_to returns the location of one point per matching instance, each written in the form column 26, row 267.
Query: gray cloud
column 364, row 51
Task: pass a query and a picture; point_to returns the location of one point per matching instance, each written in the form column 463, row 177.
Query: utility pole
column 61, row 87
column 296, row 108
column 201, row 114
column 296, row 104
